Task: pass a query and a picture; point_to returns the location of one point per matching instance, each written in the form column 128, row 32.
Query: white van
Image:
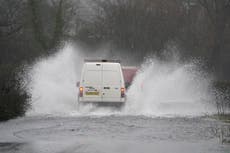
column 102, row 82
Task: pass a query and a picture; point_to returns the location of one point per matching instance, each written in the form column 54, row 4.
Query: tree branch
column 37, row 26
column 205, row 5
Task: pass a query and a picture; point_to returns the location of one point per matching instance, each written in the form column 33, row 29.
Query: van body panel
column 91, row 82
column 111, row 81
column 102, row 82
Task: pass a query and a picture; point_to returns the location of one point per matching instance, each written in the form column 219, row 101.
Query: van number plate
column 92, row 93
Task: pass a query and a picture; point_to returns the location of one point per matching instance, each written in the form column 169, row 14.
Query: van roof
column 102, row 61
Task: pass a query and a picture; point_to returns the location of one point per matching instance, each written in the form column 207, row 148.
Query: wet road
column 113, row 134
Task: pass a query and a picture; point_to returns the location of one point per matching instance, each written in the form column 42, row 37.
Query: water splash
column 159, row 89
column 170, row 88
column 53, row 82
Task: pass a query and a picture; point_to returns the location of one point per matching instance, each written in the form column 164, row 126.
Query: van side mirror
column 78, row 84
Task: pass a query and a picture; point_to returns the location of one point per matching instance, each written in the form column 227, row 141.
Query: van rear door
column 111, row 82
column 93, row 82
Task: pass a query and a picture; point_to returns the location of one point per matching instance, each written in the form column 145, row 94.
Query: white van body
column 102, row 82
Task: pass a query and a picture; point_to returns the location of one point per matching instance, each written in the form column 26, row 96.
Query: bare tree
column 218, row 13
column 50, row 31
column 38, row 30
column 138, row 25
column 10, row 13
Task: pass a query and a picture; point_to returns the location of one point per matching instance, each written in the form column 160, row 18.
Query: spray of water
column 159, row 89
column 170, row 88
column 52, row 83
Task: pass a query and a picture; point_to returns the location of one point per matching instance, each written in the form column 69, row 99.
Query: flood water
column 163, row 113
column 112, row 134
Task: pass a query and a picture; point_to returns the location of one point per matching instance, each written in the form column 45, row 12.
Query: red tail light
column 81, row 91
column 122, row 92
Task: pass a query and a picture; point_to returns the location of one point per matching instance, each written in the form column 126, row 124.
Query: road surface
column 112, row 134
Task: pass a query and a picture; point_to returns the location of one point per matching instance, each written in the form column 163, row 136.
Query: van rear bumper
column 104, row 100
column 109, row 104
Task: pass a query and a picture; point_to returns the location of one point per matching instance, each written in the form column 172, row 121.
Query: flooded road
column 112, row 134
column 161, row 115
